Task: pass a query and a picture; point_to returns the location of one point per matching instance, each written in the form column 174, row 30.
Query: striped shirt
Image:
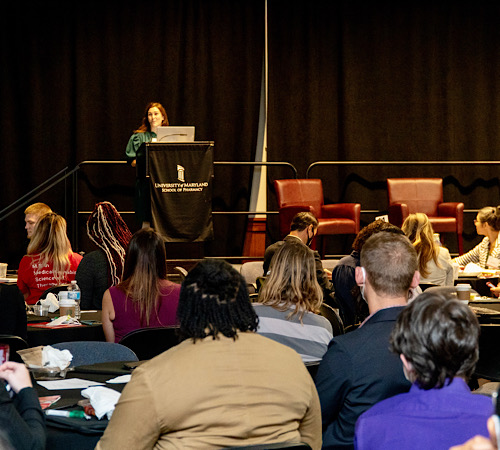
column 309, row 339
column 479, row 254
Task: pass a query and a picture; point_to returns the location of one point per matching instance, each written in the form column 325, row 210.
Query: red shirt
column 33, row 281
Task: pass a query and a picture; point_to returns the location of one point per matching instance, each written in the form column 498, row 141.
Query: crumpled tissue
column 64, row 320
column 46, row 356
column 51, row 302
column 102, row 399
column 53, row 357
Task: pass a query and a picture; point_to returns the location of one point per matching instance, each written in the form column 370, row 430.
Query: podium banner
column 181, row 190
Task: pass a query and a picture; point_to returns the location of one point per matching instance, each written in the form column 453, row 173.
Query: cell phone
column 490, row 284
column 4, row 353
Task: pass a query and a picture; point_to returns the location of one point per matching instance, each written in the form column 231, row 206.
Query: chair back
column 150, row 342
column 15, row 343
column 420, row 194
column 250, row 271
column 331, row 315
column 54, row 290
column 300, row 192
column 93, row 352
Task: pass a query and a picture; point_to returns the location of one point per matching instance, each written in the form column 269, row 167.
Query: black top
column 12, row 311
column 92, row 279
column 22, row 421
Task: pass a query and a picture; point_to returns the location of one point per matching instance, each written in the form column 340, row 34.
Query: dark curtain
column 76, row 77
column 360, row 81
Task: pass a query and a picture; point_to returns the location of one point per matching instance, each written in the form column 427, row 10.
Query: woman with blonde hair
column 145, row 298
column 434, row 261
column 50, row 260
column 289, row 303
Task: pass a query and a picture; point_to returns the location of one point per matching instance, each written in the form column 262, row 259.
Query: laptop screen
column 175, row 134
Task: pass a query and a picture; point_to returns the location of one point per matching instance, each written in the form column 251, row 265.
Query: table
column 48, row 336
column 478, row 283
column 68, row 439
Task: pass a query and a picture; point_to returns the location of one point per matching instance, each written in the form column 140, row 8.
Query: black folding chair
column 150, row 342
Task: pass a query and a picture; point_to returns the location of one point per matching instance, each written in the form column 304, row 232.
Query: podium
column 174, row 183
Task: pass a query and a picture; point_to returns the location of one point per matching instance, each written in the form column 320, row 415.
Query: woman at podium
column 154, row 116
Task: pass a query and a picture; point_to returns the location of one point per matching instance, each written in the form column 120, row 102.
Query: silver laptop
column 175, row 134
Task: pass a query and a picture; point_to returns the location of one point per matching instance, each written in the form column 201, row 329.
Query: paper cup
column 463, row 292
column 67, row 307
column 3, row 270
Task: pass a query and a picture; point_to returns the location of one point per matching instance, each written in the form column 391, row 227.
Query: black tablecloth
column 72, row 433
column 48, row 336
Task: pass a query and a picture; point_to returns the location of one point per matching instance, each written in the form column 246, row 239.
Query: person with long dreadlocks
column 102, row 268
column 145, row 298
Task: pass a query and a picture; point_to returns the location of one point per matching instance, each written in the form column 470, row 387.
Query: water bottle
column 75, row 294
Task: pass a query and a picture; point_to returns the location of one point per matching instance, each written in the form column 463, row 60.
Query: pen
column 78, row 414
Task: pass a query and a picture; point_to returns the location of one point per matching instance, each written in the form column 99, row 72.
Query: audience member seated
column 359, row 370
column 289, row 303
column 50, row 260
column 145, row 298
column 434, row 261
column 12, row 311
column 32, row 215
column 102, row 268
column 21, row 419
column 437, row 340
column 353, row 307
column 303, row 228
column 487, row 224
column 224, row 385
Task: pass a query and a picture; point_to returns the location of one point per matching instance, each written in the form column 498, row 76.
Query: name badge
column 493, row 262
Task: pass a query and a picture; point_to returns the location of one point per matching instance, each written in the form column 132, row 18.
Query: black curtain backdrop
column 348, row 80
column 75, row 80
column 357, row 81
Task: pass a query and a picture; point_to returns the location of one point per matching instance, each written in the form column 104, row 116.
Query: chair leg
column 460, row 244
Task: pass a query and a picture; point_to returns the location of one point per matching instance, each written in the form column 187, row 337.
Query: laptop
column 175, row 134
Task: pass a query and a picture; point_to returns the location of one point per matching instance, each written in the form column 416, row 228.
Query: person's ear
column 416, row 279
column 360, row 275
column 407, row 365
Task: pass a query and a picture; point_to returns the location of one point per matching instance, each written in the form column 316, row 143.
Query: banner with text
column 181, row 190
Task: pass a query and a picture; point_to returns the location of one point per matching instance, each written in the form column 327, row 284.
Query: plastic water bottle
column 75, row 294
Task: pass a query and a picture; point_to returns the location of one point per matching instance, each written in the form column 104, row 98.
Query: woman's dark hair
column 372, row 228
column 144, row 271
column 145, row 125
column 439, row 336
column 214, row 299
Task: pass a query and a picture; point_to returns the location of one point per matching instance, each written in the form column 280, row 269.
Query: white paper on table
column 68, row 383
column 120, row 379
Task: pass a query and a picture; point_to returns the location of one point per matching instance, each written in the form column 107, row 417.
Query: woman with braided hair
column 145, row 298
column 102, row 268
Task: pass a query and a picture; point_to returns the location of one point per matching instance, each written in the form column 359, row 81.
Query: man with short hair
column 303, row 228
column 32, row 214
column 437, row 339
column 358, row 370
